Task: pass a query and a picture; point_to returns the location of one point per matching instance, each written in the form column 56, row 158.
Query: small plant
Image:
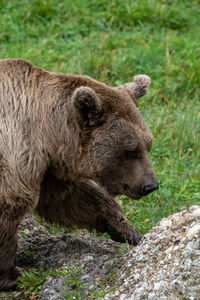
column 73, row 287
column 25, row 232
column 100, row 293
column 27, row 254
column 96, row 235
column 54, row 228
column 32, row 281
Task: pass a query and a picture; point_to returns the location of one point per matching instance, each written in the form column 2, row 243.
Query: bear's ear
column 87, row 103
column 139, row 86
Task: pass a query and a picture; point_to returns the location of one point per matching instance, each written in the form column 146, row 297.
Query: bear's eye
column 131, row 154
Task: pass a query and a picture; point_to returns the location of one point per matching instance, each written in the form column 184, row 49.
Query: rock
column 88, row 258
column 165, row 223
column 170, row 268
column 52, row 289
column 193, row 231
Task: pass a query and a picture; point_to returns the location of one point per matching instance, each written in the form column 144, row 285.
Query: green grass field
column 111, row 41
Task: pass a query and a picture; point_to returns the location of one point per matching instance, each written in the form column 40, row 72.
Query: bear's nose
column 150, row 187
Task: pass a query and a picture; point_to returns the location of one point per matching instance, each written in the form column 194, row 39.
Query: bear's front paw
column 130, row 235
column 8, row 281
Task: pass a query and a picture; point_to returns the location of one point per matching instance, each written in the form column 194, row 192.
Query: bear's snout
column 149, row 187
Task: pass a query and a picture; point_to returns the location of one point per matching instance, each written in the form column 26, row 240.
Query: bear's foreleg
column 84, row 204
column 101, row 212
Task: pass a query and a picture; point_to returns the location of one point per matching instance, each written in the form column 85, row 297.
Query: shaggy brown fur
column 67, row 145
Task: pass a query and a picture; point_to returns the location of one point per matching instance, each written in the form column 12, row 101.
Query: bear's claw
column 133, row 237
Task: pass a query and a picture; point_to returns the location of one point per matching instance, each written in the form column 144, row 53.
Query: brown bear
column 68, row 145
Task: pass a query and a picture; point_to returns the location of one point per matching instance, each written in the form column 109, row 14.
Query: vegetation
column 111, row 41
column 32, row 281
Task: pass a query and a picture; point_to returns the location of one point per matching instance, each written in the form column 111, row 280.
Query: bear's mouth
column 128, row 192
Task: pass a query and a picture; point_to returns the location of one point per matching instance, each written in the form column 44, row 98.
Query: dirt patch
column 96, row 258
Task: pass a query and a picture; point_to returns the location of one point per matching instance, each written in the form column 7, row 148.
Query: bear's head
column 115, row 140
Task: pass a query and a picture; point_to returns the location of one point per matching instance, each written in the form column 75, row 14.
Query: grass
column 176, row 159
column 112, row 41
column 32, row 281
